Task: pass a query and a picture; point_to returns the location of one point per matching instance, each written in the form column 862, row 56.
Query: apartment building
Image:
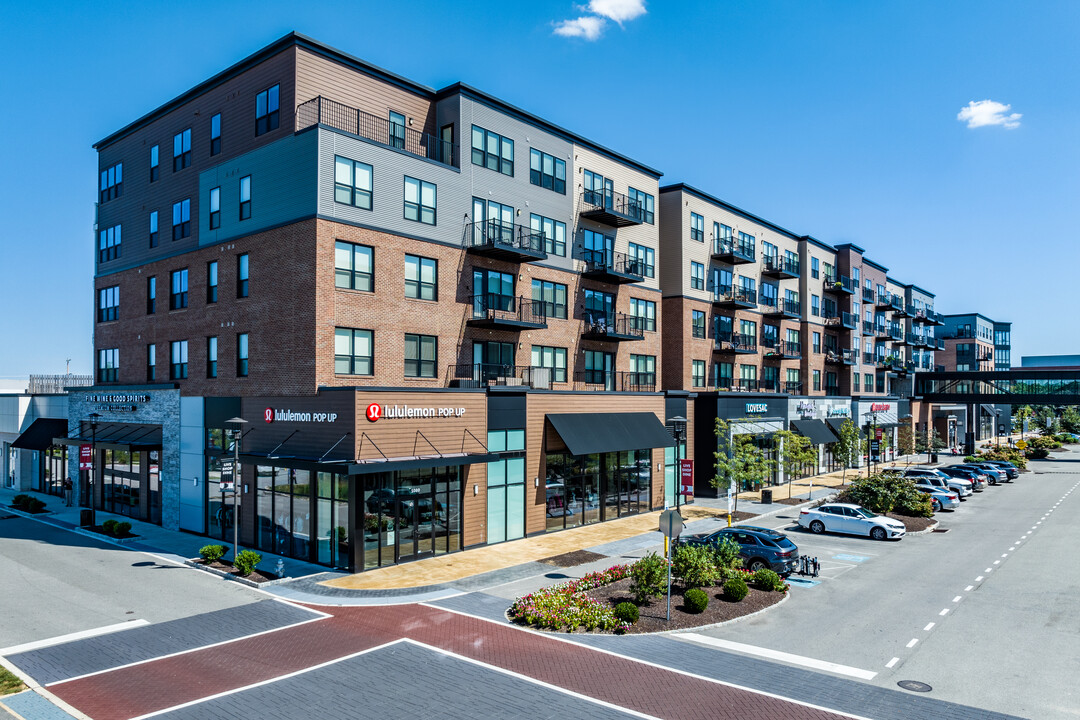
column 973, row 342
column 432, row 309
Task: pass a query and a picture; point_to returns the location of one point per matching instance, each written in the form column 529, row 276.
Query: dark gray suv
column 759, row 547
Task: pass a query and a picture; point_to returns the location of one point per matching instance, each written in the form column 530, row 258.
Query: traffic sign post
column 671, row 525
column 1021, row 444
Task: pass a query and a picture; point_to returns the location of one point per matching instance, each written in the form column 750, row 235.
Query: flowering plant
column 566, row 606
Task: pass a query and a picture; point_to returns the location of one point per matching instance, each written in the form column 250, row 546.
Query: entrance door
column 415, row 526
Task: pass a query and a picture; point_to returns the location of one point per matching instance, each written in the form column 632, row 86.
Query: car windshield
column 865, row 513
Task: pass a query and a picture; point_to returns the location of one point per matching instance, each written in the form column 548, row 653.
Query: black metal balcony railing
column 746, row 384
column 830, row 317
column 896, row 332
column 793, row 388
column 507, row 312
column 611, row 208
column 332, row 114
column 868, row 358
column 612, row 380
column 849, row 320
column 839, row 284
column 881, row 331
column 868, row 295
column 847, row 356
column 911, row 339
column 612, row 326
column 496, row 374
column 897, row 304
column 882, row 300
column 733, row 342
column 613, row 267
column 732, row 251
column 738, row 296
column 792, row 308
column 781, row 349
column 783, row 267
column 867, row 327
column 505, row 241
column 832, row 390
column 769, row 385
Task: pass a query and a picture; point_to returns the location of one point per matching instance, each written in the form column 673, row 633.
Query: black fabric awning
column 586, row 433
column 40, row 434
column 815, row 430
column 836, row 423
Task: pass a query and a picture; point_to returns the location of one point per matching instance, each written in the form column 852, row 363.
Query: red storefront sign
column 686, row 476
column 86, row 457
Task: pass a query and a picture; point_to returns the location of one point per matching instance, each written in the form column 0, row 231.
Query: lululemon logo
column 374, row 412
column 268, row 414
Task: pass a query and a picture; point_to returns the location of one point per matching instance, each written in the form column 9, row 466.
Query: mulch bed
column 913, row 524
column 790, row 501
column 653, row 616
column 572, row 559
column 256, row 576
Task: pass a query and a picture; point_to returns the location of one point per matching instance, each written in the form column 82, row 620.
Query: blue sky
column 835, row 119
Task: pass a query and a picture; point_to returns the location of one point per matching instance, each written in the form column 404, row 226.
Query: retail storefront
column 759, row 415
column 882, row 414
column 809, row 417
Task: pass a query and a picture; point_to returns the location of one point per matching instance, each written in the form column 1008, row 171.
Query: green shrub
column 246, row 560
column 695, row 601
column 766, row 579
column 694, row 565
column 627, row 612
column 735, row 589
column 20, row 501
column 912, row 502
column 971, row 458
column 648, row 578
column 123, row 528
column 726, row 558
column 887, row 492
column 109, row 526
column 1064, row 438
column 210, row 553
column 1008, row 454
column 1045, row 442
column 1037, row 453
column 34, row 505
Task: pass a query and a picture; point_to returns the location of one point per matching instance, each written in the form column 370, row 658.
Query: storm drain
column 941, row 530
column 914, row 686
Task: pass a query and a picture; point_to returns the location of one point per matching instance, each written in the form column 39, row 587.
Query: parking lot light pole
column 93, row 465
column 239, row 423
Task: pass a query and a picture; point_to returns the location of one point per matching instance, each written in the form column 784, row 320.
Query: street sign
column 1021, row 444
column 686, row 476
column 86, row 457
column 671, row 523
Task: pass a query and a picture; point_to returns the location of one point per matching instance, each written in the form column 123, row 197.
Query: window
column 697, row 227
column 748, row 328
column 815, row 305
column 353, row 352
column 178, row 360
column 697, row 323
column 817, row 342
column 109, row 244
column 245, row 197
column 552, row 358
column 241, row 354
column 492, row 151
column 769, row 293
column 829, row 272
column 151, row 295
column 554, row 234
column 868, row 382
column 266, row 110
column 547, row 171
column 108, row 365
column 108, row 303
column 211, row 357
column 552, row 295
column 419, row 201
column 643, row 369
column 722, row 374
column 153, row 163
column 211, row 282
column 153, row 229
column 151, row 362
column 215, row 134
column 112, row 182
column 599, row 307
column 242, row 275
column 645, row 312
column 855, row 382
column 215, row 208
column 353, row 266
column 644, row 259
column 855, row 276
column 769, row 252
column 420, row 355
column 645, row 202
column 697, row 276
column 397, row 131
column 181, row 219
column 817, row 380
column 814, row 267
column 697, row 373
column 598, row 189
column 421, row 278
column 352, row 182
column 181, row 150
column 178, row 297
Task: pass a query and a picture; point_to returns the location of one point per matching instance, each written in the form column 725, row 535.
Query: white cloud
column 987, row 112
column 592, row 25
column 588, row 27
column 617, row 10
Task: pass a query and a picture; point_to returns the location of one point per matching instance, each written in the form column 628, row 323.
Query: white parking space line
column 1004, row 555
column 928, row 627
column 892, row 662
column 912, row 641
column 70, row 637
column 958, row 598
column 989, row 570
column 781, row 656
column 979, row 579
column 997, row 562
column 944, row 612
column 969, row 588
column 1012, row 548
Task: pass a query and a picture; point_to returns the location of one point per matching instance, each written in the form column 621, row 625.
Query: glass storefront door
column 590, row 488
column 411, row 514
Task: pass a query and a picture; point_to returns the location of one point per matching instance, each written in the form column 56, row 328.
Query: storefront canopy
column 814, row 430
column 837, row 422
column 40, row 434
column 116, row 435
column 587, row 433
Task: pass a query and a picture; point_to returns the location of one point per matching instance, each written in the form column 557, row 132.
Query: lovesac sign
column 376, row 412
column 752, row 408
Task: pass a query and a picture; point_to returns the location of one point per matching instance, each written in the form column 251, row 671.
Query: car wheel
column 936, row 505
column 758, row 564
column 878, row 533
column 817, row 527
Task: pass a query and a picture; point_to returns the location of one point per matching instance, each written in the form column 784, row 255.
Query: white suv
column 929, row 476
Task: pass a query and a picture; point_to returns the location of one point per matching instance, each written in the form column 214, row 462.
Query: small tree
column 797, row 452
column 1070, row 420
column 933, row 442
column 905, row 441
column 1021, row 414
column 846, row 448
column 738, row 461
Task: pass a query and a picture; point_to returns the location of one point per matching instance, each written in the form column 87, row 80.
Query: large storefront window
column 506, row 486
column 54, row 470
column 131, row 484
column 411, row 514
column 283, row 506
column 584, row 489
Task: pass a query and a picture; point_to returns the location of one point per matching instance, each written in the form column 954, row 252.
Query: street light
column 239, row 423
column 93, row 465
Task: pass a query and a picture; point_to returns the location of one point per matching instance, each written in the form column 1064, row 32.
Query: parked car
column 931, row 476
column 989, row 477
column 978, row 480
column 851, row 519
column 1011, row 471
column 991, row 470
column 940, row 498
column 758, row 547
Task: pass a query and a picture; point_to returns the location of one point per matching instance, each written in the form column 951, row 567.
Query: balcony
column 840, row 285
column 910, row 339
column 840, row 357
column 849, row 320
column 478, row 375
column 611, row 208
column 745, row 384
column 734, row 344
column 506, row 312
column 612, row 327
column 793, row 388
column 896, row 332
column 329, row 113
column 782, row 308
column 611, row 380
column 882, row 332
column 780, row 267
column 867, row 327
column 882, row 301
column 504, row 241
column 735, row 297
column 830, row 319
column 868, row 358
column 733, row 252
column 899, row 367
column 935, row 318
column 868, row 295
column 612, row 267
column 900, row 310
column 781, row 349
column 832, row 391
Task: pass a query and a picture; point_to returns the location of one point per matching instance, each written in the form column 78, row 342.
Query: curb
column 229, row 576
column 24, row 514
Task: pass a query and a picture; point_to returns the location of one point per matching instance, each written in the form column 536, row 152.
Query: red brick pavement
column 160, row 684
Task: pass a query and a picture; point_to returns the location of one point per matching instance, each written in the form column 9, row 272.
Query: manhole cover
column 941, row 529
column 914, row 686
